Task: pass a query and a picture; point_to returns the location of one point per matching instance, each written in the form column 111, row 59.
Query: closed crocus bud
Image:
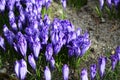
column 2, row 5
column 49, row 52
column 47, row 73
column 63, row 3
column 85, row 44
column 114, row 61
column 116, row 2
column 93, row 71
column 36, row 46
column 22, row 16
column 65, row 71
column 21, row 43
column 54, row 37
column 46, row 20
column 57, row 47
column 78, row 31
column 102, row 64
column 52, row 63
column 9, row 35
column 84, row 74
column 14, row 26
column 109, row 2
column 117, row 52
column 11, row 17
column 47, row 3
column 10, row 4
column 31, row 61
column 101, row 3
column 71, row 36
column 21, row 69
column 2, row 43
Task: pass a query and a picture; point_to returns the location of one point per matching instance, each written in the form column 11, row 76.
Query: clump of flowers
column 30, row 35
column 112, row 7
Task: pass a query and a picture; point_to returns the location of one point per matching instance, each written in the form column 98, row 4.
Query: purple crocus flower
column 2, row 5
column 14, row 26
column 57, row 47
column 101, row 3
column 10, row 4
column 116, row 2
column 2, row 43
column 47, row 73
column 54, row 37
column 52, row 63
column 109, row 2
column 85, row 47
column 63, row 3
column 36, row 46
column 9, row 35
column 47, row 3
column 85, row 44
column 31, row 61
column 117, row 52
column 21, row 43
column 46, row 20
column 93, row 71
column 78, row 31
column 49, row 52
column 84, row 74
column 65, row 71
column 114, row 61
column 71, row 36
column 21, row 69
column 102, row 64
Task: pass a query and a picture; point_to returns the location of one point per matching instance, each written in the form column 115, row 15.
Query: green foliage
column 77, row 4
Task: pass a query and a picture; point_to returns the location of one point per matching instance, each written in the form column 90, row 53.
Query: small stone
column 3, row 70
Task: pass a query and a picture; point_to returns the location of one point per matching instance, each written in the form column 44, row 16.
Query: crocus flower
column 46, row 20
column 9, row 35
column 101, row 3
column 21, row 43
column 2, row 43
column 102, row 64
column 109, row 2
column 117, row 52
column 116, row 2
column 114, row 61
column 65, row 71
column 47, row 73
column 49, row 52
column 10, row 4
column 36, row 46
column 2, row 5
column 63, row 3
column 47, row 3
column 57, row 47
column 78, row 31
column 31, row 61
column 21, row 69
column 85, row 44
column 85, row 47
column 71, row 36
column 93, row 71
column 84, row 74
column 52, row 63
